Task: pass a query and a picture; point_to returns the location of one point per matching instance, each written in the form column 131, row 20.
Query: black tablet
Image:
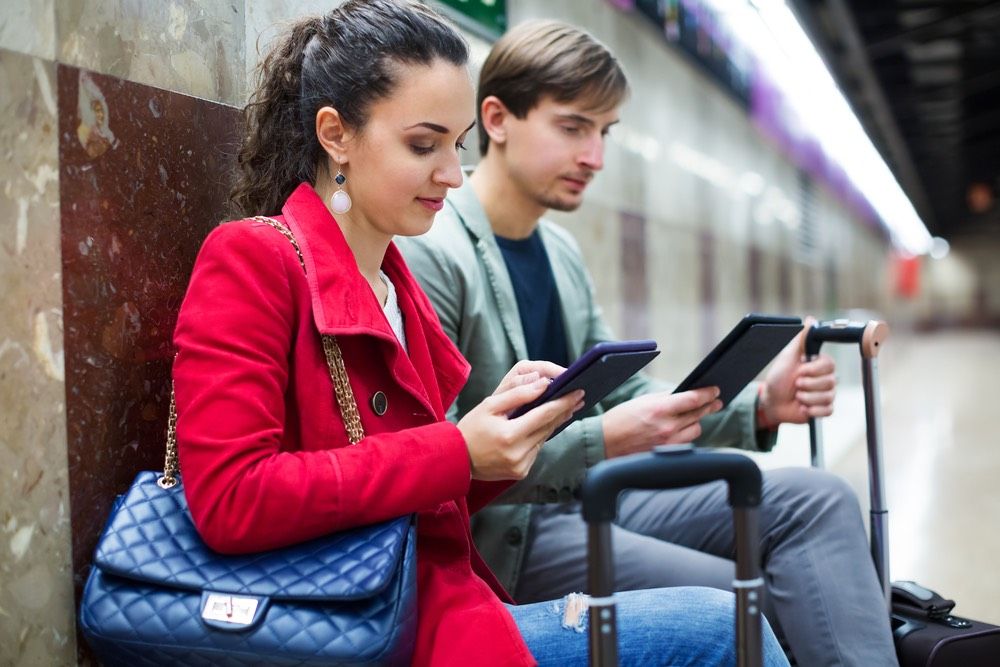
column 598, row 372
column 742, row 354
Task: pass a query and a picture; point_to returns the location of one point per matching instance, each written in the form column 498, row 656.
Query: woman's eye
column 421, row 150
column 461, row 146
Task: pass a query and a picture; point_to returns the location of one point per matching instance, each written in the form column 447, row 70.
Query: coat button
column 380, row 403
column 513, row 536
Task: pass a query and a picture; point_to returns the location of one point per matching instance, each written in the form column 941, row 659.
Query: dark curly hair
column 345, row 59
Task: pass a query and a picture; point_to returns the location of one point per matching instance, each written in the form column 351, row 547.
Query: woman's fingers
column 504, row 401
column 550, row 414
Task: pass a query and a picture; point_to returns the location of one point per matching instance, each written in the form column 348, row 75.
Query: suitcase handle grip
column 870, row 336
column 668, row 467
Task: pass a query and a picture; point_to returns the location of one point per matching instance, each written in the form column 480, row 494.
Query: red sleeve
column 482, row 494
column 233, row 337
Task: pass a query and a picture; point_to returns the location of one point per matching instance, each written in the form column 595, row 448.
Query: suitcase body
column 670, row 467
column 925, row 632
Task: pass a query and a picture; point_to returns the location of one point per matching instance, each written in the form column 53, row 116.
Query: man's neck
column 511, row 213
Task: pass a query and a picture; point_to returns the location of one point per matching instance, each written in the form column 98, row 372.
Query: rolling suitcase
column 924, row 630
column 670, row 467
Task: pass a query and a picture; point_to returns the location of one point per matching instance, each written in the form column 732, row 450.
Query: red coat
column 264, row 451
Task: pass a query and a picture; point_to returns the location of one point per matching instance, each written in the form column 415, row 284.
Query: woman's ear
column 494, row 114
column 333, row 134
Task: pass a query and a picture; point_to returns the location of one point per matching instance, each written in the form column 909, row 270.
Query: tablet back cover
column 741, row 362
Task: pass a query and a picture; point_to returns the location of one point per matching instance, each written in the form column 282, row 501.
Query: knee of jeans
column 572, row 611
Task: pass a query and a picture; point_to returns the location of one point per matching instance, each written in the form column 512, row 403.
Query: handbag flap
column 151, row 537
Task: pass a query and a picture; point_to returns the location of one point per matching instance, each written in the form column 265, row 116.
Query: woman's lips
column 433, row 204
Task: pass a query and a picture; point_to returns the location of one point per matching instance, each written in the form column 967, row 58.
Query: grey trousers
column 824, row 599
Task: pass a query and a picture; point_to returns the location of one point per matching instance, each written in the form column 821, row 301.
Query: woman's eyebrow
column 440, row 129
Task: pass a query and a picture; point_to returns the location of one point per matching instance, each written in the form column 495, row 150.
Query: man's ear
column 494, row 115
column 333, row 134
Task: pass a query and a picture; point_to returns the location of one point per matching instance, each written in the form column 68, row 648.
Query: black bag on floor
column 928, row 635
column 925, row 632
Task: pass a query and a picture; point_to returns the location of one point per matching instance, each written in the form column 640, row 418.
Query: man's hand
column 657, row 419
column 795, row 389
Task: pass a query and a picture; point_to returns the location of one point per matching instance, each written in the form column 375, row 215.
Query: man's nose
column 592, row 156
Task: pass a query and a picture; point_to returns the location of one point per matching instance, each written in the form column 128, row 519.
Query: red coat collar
column 344, row 304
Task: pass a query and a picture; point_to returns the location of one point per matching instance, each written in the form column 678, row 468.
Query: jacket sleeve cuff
column 452, row 468
column 746, row 403
column 593, row 441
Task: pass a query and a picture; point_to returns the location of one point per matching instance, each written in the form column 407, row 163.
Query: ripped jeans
column 660, row 626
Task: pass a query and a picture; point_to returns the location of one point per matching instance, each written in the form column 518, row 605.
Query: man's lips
column 576, row 182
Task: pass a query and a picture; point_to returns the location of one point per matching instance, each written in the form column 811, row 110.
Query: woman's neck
column 366, row 243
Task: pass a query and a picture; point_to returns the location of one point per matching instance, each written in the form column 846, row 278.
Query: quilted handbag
column 157, row 595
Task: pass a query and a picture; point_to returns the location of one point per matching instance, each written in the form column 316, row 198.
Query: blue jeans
column 658, row 626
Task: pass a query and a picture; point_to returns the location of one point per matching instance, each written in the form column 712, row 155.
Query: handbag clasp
column 229, row 609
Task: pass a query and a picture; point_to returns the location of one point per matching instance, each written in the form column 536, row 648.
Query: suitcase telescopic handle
column 870, row 338
column 869, row 335
column 671, row 467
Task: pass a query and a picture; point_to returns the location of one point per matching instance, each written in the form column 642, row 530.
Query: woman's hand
column 501, row 448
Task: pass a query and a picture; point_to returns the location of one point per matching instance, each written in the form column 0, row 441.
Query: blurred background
column 838, row 158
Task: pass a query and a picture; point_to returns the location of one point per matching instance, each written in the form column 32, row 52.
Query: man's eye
column 571, row 129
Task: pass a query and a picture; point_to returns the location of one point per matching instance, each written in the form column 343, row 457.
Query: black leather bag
column 927, row 634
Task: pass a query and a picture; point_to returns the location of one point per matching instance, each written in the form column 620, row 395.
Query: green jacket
column 459, row 265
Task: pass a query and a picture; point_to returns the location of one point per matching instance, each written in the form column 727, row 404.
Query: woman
column 352, row 137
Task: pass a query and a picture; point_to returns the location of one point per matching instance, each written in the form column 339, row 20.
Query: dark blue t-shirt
column 537, row 297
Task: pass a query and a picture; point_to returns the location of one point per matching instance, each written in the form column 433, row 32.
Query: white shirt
column 392, row 311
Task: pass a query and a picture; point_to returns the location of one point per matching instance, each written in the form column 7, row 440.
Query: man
column 509, row 285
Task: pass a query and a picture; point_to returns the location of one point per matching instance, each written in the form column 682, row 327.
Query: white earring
column 340, row 201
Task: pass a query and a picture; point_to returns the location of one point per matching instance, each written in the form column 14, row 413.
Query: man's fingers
column 820, row 410
column 813, row 398
column 799, row 342
column 822, row 383
column 692, row 416
column 821, row 365
column 691, row 400
column 686, row 434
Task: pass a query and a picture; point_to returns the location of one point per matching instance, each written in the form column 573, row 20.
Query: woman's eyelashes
column 427, row 150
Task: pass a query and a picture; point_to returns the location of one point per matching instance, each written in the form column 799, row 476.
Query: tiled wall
column 118, row 121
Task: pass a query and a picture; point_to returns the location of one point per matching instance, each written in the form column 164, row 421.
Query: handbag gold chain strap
column 334, row 362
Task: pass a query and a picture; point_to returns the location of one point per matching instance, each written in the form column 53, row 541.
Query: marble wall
column 36, row 593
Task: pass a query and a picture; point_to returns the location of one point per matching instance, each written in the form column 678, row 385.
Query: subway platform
column 941, row 458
